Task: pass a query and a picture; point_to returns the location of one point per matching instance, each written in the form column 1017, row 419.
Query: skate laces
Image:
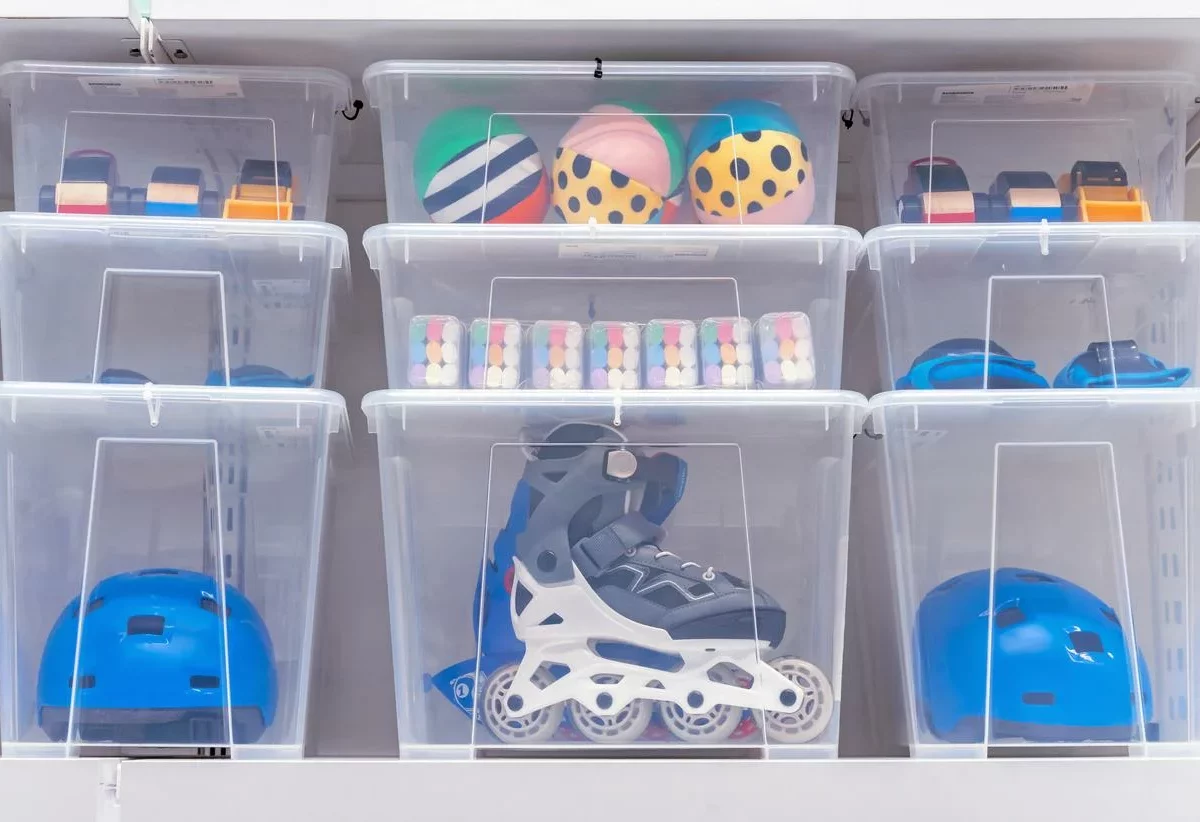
column 708, row 576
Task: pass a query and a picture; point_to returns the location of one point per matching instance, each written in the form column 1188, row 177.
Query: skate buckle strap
column 598, row 552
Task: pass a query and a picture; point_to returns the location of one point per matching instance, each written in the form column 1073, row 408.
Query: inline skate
column 612, row 626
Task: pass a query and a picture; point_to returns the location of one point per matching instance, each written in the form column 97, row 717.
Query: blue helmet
column 151, row 667
column 1060, row 665
column 959, row 363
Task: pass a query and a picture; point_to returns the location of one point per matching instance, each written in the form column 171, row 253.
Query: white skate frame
column 587, row 619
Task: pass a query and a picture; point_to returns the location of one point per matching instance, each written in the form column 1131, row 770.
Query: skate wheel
column 626, row 725
column 536, row 726
column 816, row 703
column 711, row 727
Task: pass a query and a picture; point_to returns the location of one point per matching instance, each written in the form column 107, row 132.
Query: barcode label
column 1013, row 94
column 214, row 85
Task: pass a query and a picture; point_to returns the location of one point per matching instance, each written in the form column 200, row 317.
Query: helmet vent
column 1087, row 642
column 1008, row 616
column 1110, row 615
column 94, row 604
column 149, row 624
column 157, row 572
column 202, row 682
column 209, row 604
column 1044, row 698
column 86, row 681
column 1034, row 576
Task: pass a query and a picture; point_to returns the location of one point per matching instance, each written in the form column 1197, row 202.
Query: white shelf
column 64, row 9
column 1097, row 790
column 867, row 36
column 54, row 790
column 669, row 10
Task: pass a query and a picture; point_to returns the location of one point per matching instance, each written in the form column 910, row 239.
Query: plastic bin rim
column 390, row 232
column 874, row 82
column 322, row 76
column 188, row 227
column 173, row 393
column 1034, row 232
column 586, row 68
column 1045, row 398
column 674, row 398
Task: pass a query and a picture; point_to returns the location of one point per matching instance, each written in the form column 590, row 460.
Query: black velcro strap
column 598, row 552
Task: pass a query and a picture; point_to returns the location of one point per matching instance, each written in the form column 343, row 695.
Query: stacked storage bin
column 164, row 312
column 611, row 518
column 1043, row 334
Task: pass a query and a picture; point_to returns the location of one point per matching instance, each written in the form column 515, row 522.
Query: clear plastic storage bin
column 173, row 141
column 660, row 570
column 1068, row 306
column 1027, row 146
column 160, row 556
column 578, row 307
column 188, row 302
column 513, row 142
column 1041, row 545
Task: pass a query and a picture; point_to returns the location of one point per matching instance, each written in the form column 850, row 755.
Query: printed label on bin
column 1013, row 93
column 206, row 86
column 282, row 288
column 602, row 251
column 284, row 436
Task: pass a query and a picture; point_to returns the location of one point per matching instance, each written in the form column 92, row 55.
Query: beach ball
column 474, row 166
column 617, row 164
column 747, row 164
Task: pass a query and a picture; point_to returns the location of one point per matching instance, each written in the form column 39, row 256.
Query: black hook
column 358, row 105
column 599, row 72
column 848, row 118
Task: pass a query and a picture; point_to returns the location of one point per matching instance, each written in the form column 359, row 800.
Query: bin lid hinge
column 153, row 404
column 149, row 47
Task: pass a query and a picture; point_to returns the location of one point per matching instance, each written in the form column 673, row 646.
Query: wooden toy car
column 88, row 185
column 176, row 191
column 1030, row 197
column 1103, row 193
column 263, row 192
column 937, row 191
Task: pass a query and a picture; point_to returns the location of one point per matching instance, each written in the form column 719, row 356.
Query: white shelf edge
column 662, row 10
column 900, row 790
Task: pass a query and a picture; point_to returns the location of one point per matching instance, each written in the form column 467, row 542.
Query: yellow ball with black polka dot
column 748, row 164
column 585, row 189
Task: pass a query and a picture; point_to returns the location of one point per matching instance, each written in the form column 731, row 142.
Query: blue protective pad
column 259, row 376
column 1119, row 365
column 960, row 363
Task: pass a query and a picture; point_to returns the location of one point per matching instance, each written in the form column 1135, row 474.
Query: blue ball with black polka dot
column 747, row 163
